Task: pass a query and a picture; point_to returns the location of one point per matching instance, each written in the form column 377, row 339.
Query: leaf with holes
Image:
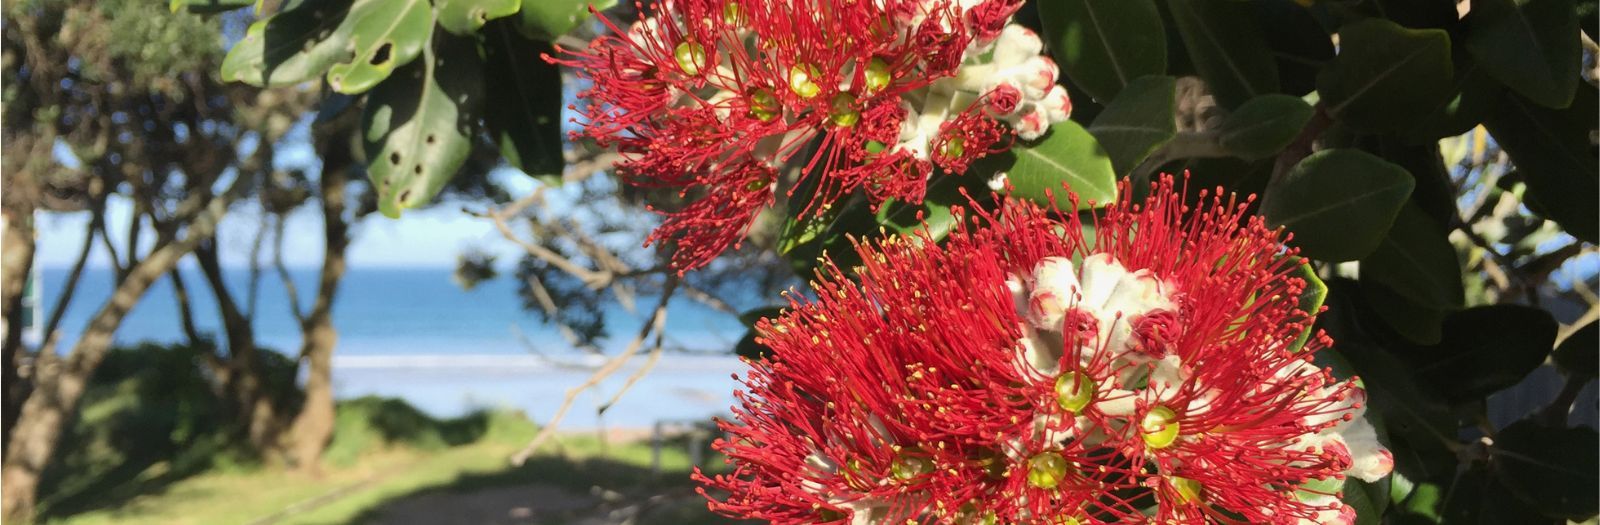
column 384, row 35
column 1068, row 156
column 527, row 102
column 293, row 46
column 1531, row 46
column 1227, row 48
column 1553, row 469
column 1386, row 76
column 1103, row 45
column 1338, row 203
column 1137, row 122
column 418, row 125
column 1416, row 260
column 1263, row 126
column 465, row 17
column 547, row 19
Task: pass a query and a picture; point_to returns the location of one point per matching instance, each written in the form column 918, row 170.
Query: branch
column 658, row 321
column 283, row 272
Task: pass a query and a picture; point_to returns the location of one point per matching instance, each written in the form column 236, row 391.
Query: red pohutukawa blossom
column 1022, row 373
column 713, row 97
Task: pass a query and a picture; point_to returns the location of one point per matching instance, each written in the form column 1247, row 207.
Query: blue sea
column 416, row 335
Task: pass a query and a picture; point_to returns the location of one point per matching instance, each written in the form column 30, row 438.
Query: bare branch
column 283, row 271
column 657, row 322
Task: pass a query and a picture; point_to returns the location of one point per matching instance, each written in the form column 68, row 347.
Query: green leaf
column 1386, row 76
column 1068, row 156
column 1478, row 498
column 525, row 100
column 1338, row 203
column 290, row 47
column 1368, row 499
column 1416, row 260
column 1578, row 355
column 1486, row 349
column 206, row 7
column 1298, row 41
column 1553, row 469
column 465, row 17
column 752, row 316
column 1263, row 126
column 1412, row 321
column 1137, row 122
column 1472, row 96
column 1311, row 300
column 1227, row 48
column 547, row 19
column 1416, row 420
column 1553, row 149
column 748, row 348
column 383, row 35
column 418, row 125
column 1531, row 46
column 1103, row 45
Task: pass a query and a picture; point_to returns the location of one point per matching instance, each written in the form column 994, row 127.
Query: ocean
column 414, row 334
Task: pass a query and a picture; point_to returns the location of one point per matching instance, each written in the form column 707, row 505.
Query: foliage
column 1353, row 148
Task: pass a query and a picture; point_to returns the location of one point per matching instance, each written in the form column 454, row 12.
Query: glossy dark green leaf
column 1579, row 354
column 1067, row 159
column 1486, row 349
column 934, row 214
column 1370, row 500
column 1386, row 76
column 1298, row 41
column 465, row 17
column 1263, row 126
column 1472, row 96
column 383, row 35
column 1417, row 260
column 1416, row 420
column 524, row 102
column 1553, row 149
column 419, row 124
column 1477, row 497
column 753, row 315
column 293, row 46
column 748, row 348
column 1138, row 122
column 1103, row 45
column 1410, row 320
column 547, row 19
column 1419, row 14
column 1553, row 469
column 206, row 7
column 1532, row 46
column 1227, row 48
column 1338, row 203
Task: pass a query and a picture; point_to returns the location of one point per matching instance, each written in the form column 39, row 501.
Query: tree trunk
column 247, row 388
column 58, row 388
column 313, row 426
column 16, row 264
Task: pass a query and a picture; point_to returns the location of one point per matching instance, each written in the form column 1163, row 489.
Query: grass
column 385, row 451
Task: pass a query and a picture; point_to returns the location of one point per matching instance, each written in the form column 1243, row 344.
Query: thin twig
column 656, row 323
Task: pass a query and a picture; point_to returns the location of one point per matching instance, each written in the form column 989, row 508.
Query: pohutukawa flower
column 712, row 97
column 1023, row 373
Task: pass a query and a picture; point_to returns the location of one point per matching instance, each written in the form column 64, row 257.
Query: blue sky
column 430, row 238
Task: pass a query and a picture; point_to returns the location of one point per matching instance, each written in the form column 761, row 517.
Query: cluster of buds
column 1158, row 371
column 716, row 97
